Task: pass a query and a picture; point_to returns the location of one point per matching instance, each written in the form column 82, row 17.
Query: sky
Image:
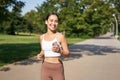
column 30, row 5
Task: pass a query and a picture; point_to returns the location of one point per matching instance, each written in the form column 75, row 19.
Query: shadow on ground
column 93, row 49
column 77, row 51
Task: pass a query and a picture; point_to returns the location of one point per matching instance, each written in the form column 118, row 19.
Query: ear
column 45, row 21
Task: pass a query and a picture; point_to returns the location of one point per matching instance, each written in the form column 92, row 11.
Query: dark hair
column 53, row 13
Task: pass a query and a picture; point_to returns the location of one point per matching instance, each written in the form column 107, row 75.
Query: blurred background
column 21, row 22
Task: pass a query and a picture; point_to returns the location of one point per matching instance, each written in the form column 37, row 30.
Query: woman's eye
column 56, row 21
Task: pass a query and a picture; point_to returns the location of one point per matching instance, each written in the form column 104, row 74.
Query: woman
column 53, row 45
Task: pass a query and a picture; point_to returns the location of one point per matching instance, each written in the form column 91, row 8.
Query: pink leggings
column 52, row 71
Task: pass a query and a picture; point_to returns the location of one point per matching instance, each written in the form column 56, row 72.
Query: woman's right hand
column 39, row 56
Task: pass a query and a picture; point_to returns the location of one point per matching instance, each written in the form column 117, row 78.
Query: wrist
column 61, row 51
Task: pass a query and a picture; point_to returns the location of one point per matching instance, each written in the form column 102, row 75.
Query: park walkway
column 93, row 59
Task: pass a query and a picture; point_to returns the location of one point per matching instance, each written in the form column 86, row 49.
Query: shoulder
column 41, row 36
column 60, row 36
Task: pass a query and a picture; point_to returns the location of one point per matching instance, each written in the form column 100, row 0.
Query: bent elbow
column 67, row 54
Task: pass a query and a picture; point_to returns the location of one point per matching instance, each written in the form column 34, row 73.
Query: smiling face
column 52, row 22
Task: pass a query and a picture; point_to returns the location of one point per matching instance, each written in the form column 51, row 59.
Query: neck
column 51, row 32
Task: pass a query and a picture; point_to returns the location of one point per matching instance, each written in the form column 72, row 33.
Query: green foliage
column 116, row 4
column 10, row 17
column 77, row 17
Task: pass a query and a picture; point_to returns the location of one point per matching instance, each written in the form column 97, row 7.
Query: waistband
column 60, row 62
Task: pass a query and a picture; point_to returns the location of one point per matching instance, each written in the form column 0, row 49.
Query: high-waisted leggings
column 52, row 71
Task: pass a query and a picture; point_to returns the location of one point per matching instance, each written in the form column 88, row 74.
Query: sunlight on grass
column 4, row 39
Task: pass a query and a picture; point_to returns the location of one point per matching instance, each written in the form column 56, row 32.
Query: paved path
column 94, row 59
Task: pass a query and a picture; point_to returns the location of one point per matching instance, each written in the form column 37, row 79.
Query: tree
column 11, row 17
column 116, row 4
column 32, row 21
column 77, row 17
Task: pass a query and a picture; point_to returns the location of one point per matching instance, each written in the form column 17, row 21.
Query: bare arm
column 41, row 54
column 64, row 51
column 64, row 47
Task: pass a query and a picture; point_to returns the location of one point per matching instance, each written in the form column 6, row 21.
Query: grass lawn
column 19, row 47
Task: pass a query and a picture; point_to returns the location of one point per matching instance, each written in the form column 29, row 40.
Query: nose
column 54, row 22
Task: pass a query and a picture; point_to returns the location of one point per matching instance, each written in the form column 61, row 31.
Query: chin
column 53, row 29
